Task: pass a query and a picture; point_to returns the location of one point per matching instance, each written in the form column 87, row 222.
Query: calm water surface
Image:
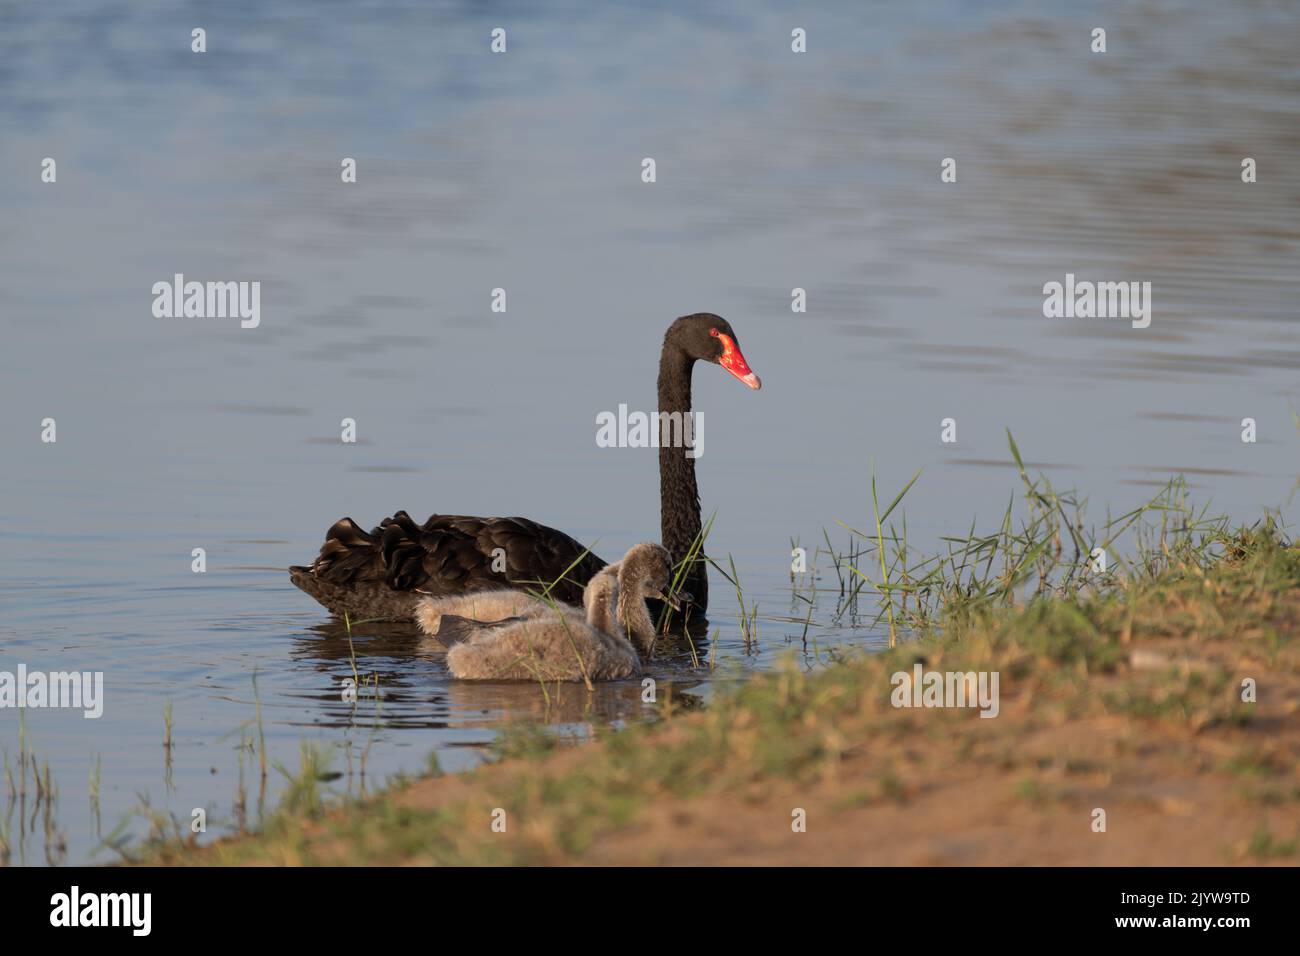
column 523, row 171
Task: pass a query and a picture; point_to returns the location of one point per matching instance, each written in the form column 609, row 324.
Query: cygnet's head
column 646, row 571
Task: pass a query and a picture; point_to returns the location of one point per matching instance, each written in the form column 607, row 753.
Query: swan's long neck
column 598, row 599
column 616, row 607
column 679, row 495
column 636, row 618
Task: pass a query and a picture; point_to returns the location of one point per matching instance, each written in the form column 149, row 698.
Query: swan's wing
column 450, row 554
column 455, row 629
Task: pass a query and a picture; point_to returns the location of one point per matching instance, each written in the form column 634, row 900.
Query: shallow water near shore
column 775, row 171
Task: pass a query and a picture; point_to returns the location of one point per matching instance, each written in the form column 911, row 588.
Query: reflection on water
column 775, row 171
column 414, row 692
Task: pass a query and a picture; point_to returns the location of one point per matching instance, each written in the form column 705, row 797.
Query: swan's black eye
column 713, row 332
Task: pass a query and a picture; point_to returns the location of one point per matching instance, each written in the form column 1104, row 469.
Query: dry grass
column 1129, row 700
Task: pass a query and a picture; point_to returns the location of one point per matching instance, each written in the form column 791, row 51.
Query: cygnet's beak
column 672, row 600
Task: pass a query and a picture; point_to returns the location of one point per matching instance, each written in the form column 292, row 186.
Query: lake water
column 775, row 170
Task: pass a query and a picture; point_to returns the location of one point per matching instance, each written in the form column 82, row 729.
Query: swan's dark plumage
column 382, row 574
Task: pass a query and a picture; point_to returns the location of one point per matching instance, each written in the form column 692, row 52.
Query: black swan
column 509, row 635
column 382, row 574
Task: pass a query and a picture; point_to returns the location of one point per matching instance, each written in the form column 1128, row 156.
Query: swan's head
column 646, row 571
column 710, row 338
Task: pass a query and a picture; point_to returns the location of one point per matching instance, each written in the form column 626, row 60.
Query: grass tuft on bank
column 1127, row 698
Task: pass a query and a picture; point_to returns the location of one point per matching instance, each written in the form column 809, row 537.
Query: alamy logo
column 70, row 689
column 946, row 689
column 1098, row 300
column 208, row 300
column 103, row 909
column 635, row 430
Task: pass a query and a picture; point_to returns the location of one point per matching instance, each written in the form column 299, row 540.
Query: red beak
column 734, row 362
